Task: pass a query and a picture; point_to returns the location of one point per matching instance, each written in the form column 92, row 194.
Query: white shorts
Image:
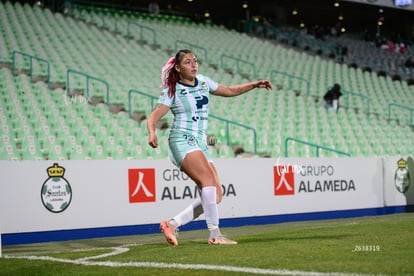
column 181, row 143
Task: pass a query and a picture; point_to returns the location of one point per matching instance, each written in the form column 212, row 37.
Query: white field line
column 119, row 250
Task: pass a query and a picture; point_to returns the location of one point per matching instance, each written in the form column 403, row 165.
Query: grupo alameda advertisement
column 168, row 189
column 165, row 185
column 264, row 186
column 321, row 184
column 89, row 194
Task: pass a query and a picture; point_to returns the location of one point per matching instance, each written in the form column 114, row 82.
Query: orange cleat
column 221, row 240
column 170, row 232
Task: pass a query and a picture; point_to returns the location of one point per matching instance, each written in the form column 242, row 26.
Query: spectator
column 154, row 8
column 409, row 62
column 332, row 96
column 402, row 48
column 391, row 46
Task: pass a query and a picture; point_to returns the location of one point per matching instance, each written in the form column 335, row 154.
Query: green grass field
column 367, row 245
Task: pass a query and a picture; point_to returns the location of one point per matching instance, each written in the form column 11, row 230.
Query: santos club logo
column 402, row 176
column 141, row 185
column 56, row 192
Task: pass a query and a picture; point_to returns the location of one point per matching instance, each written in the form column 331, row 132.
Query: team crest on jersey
column 191, row 141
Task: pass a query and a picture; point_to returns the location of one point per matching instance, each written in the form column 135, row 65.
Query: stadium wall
column 42, row 201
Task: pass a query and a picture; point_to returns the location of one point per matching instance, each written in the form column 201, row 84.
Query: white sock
column 193, row 211
column 209, row 203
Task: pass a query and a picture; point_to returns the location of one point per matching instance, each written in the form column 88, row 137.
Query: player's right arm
column 159, row 111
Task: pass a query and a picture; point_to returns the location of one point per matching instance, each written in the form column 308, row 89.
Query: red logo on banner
column 284, row 180
column 141, row 185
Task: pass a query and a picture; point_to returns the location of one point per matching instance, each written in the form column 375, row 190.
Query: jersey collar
column 195, row 83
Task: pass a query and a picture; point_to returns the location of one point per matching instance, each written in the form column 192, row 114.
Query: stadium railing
column 230, row 122
column 238, row 61
column 399, row 106
column 141, row 32
column 87, row 86
column 290, row 80
column 316, row 146
column 31, row 58
column 192, row 46
column 358, row 95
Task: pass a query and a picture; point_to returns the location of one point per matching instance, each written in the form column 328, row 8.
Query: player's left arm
column 238, row 89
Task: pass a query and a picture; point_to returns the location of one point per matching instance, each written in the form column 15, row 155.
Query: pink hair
column 170, row 76
column 165, row 72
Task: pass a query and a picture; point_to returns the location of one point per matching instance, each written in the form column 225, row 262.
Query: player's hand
column 264, row 84
column 153, row 140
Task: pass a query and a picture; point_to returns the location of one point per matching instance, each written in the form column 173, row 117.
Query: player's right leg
column 196, row 166
column 195, row 209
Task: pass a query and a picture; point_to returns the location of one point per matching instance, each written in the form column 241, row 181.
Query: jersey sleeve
column 164, row 98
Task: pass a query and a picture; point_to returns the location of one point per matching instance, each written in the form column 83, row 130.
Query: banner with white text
column 64, row 195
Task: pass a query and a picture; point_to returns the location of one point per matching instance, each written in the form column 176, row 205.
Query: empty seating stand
column 39, row 122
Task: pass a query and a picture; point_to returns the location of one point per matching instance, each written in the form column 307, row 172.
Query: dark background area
column 356, row 17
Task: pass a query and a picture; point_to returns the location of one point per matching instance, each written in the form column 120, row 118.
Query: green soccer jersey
column 190, row 105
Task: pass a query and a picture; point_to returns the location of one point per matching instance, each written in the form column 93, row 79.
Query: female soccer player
column 186, row 93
